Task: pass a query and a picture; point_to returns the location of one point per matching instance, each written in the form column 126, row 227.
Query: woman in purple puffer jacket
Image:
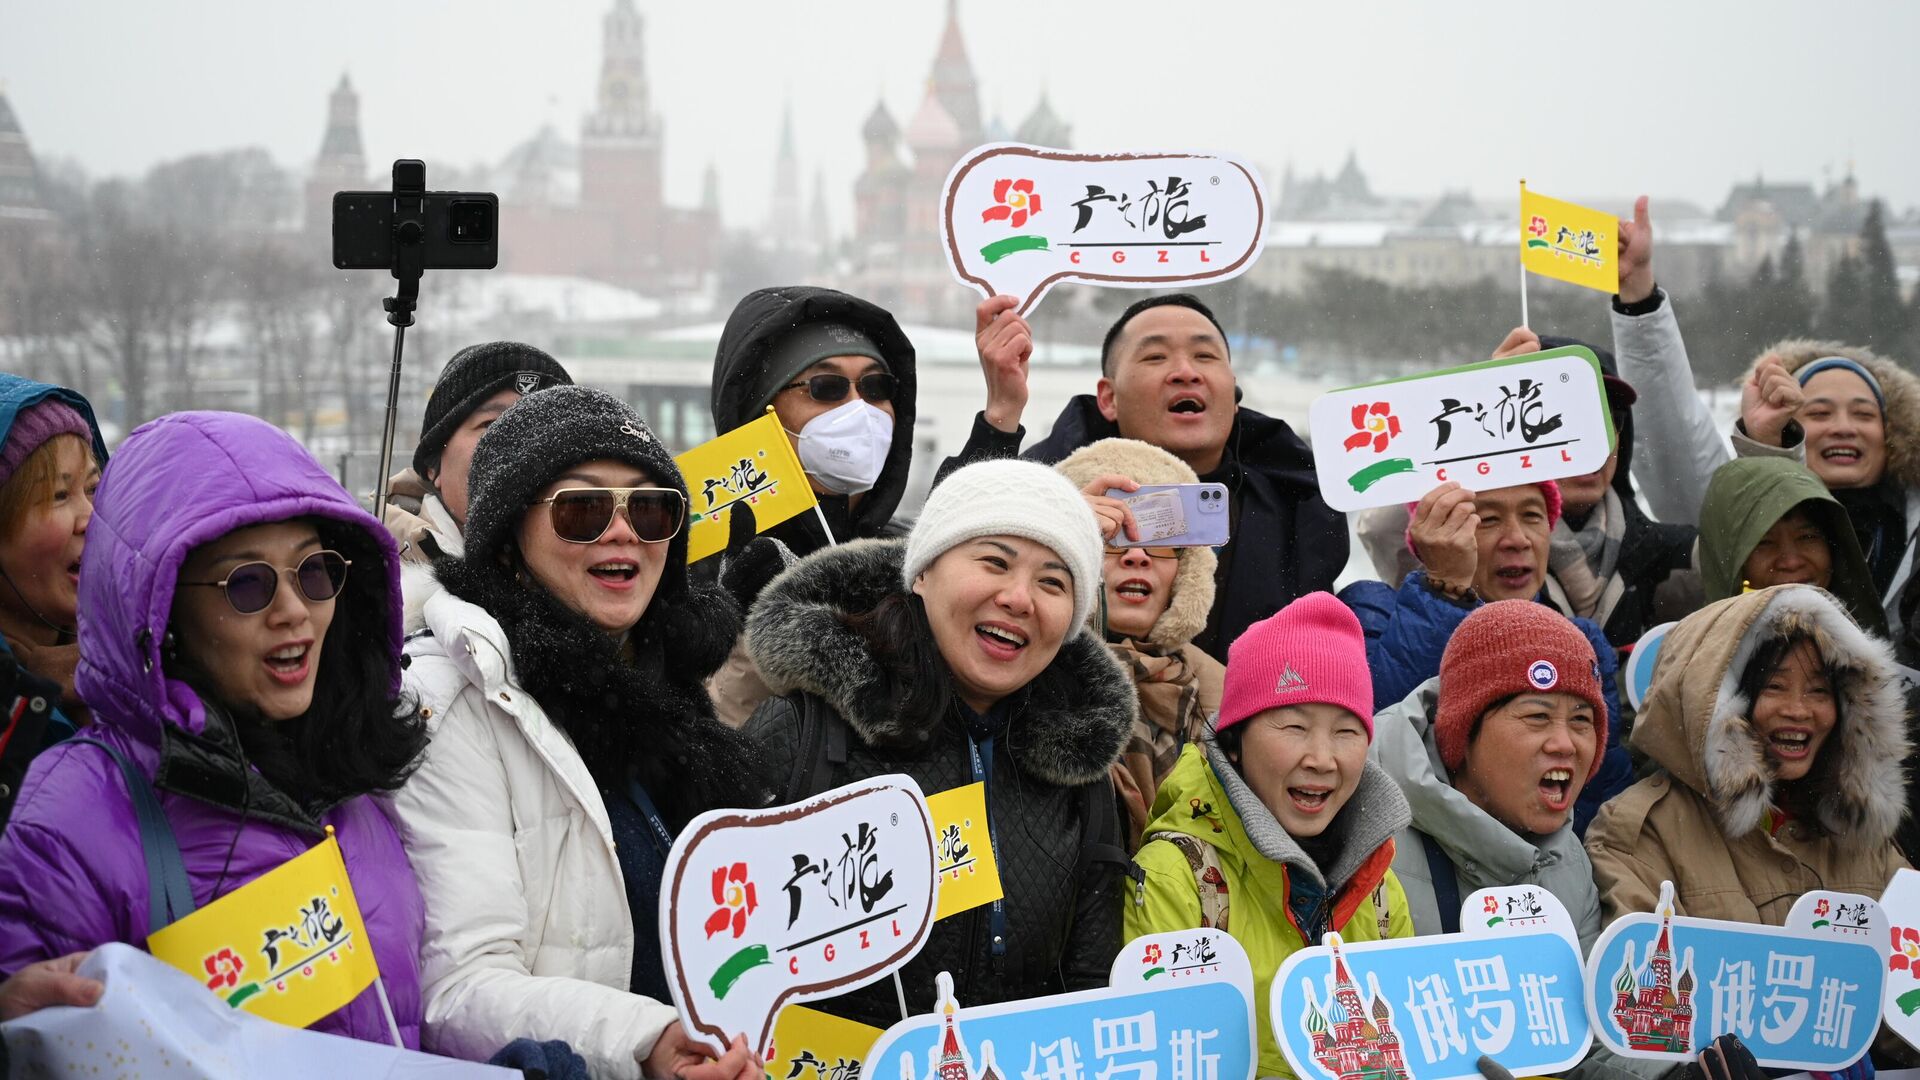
column 240, row 646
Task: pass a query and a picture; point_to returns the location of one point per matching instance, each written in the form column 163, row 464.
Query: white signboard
column 1018, row 218
column 1901, row 902
column 1489, row 425
column 760, row 908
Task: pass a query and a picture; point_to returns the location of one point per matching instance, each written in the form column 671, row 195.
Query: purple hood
column 72, row 869
column 177, row 483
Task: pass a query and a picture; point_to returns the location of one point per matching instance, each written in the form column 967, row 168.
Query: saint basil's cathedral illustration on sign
column 1350, row 1041
column 1652, row 1007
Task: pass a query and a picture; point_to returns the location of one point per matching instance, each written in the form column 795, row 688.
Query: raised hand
column 1005, row 344
column 1443, row 532
column 1636, row 254
column 1768, row 400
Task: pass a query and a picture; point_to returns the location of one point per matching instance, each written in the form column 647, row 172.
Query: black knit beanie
column 475, row 374
column 544, row 435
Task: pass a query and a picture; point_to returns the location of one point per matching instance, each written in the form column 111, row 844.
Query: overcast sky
column 1673, row 98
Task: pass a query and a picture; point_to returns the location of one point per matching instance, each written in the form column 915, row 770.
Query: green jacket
column 1278, row 901
column 1744, row 499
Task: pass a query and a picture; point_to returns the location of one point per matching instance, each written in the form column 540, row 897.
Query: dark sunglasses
column 252, row 586
column 875, row 387
column 583, row 515
column 1152, row 552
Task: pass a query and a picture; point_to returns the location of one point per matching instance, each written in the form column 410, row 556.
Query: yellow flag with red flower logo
column 1568, row 241
column 289, row 945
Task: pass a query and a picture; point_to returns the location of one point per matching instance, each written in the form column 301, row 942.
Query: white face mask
column 845, row 448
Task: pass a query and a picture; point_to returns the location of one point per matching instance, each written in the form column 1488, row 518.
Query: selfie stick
column 409, row 259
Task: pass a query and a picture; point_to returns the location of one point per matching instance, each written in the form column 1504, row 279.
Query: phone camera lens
column 470, row 222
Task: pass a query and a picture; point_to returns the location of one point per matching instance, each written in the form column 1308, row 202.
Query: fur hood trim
column 1695, row 721
column 1145, row 463
column 1068, row 728
column 1902, row 390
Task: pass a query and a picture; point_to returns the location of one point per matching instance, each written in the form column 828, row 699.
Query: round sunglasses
column 874, row 387
column 583, row 515
column 251, row 587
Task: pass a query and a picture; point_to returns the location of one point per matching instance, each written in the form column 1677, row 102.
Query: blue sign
column 1803, row 996
column 1427, row 1008
column 1138, row 1031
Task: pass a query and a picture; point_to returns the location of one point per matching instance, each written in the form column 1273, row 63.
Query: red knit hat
column 1312, row 650
column 1506, row 648
column 1549, row 491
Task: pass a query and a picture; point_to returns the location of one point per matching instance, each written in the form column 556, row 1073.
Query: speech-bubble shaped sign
column 1806, row 995
column 1019, row 218
column 1901, row 901
column 1494, row 424
column 763, row 907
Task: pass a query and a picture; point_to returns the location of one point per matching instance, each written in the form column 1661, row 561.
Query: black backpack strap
column 1446, row 887
column 169, row 892
column 1100, row 829
column 823, row 744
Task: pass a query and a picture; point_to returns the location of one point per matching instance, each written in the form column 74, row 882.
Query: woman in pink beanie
column 1277, row 828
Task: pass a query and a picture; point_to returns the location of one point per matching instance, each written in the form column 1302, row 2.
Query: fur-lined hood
column 1145, row 463
column 1901, row 388
column 1068, row 729
column 1695, row 725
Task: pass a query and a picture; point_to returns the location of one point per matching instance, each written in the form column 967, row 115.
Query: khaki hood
column 1902, row 391
column 1695, row 725
column 1145, row 463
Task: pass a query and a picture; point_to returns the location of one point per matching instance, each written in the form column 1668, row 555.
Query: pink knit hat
column 1549, row 491
column 1312, row 650
column 36, row 424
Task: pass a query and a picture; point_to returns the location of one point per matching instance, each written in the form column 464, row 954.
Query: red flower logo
column 1906, row 951
column 1538, row 226
column 1820, row 906
column 225, row 969
column 1153, row 955
column 1016, row 200
column 1491, row 905
column 1374, row 424
column 735, row 899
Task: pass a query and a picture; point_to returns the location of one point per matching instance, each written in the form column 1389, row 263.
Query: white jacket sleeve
column 1676, row 448
column 480, row 995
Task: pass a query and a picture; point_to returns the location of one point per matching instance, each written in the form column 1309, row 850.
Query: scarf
column 1583, row 561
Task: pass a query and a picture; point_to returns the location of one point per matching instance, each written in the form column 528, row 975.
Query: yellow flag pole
column 1523, row 262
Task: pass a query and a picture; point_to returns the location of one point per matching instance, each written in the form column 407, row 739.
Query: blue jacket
column 30, row 716
column 1407, row 631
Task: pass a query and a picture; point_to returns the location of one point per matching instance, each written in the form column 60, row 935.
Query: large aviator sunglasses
column 251, row 587
column 583, row 515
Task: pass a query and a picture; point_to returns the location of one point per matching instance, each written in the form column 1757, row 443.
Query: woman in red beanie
column 1276, row 828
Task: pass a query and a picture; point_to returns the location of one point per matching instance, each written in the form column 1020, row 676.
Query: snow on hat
column 1312, row 650
column 1011, row 498
column 1506, row 648
column 544, row 435
column 33, row 426
column 475, row 374
column 804, row 346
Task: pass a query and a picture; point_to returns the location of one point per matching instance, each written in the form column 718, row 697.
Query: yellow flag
column 811, row 1045
column 752, row 464
column 962, row 850
column 1567, row 241
column 288, row 946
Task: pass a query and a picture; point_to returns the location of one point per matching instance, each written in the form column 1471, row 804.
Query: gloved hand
column 549, row 1060
column 1725, row 1058
column 750, row 561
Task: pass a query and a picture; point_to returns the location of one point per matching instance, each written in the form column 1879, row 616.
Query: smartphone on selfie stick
column 409, row 231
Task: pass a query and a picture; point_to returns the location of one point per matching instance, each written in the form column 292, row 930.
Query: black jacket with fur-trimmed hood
column 1709, row 819
column 1049, row 805
column 747, row 344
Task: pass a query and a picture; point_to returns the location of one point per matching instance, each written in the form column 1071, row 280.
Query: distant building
column 593, row 209
column 27, row 222
column 896, row 259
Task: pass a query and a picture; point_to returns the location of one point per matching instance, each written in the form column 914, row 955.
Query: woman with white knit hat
column 961, row 655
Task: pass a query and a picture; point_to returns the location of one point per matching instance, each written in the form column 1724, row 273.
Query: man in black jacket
column 1166, row 378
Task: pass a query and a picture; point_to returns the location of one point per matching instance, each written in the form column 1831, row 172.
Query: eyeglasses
column 251, row 587
column 583, row 515
column 1152, row 552
column 874, row 387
